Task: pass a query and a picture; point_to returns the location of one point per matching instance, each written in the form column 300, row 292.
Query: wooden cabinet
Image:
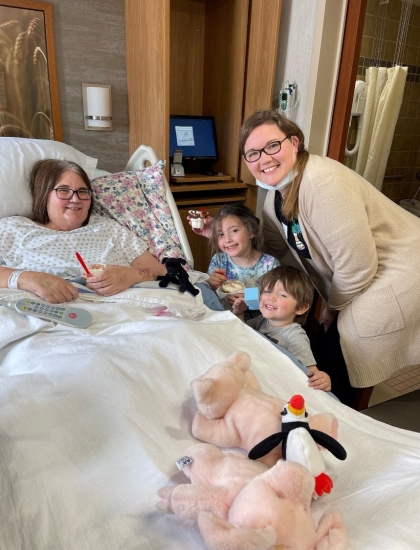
column 214, row 58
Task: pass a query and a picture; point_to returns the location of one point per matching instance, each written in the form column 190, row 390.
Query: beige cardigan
column 365, row 252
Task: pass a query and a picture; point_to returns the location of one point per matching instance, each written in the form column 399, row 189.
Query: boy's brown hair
column 295, row 282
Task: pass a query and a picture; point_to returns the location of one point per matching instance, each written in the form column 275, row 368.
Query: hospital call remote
column 59, row 313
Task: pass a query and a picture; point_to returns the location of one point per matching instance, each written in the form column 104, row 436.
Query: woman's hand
column 116, row 278
column 319, row 380
column 328, row 316
column 206, row 231
column 50, row 288
column 217, row 278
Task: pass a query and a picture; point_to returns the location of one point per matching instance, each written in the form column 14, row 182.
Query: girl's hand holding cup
column 206, row 229
column 234, row 289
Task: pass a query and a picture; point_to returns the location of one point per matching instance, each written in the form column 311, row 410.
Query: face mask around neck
column 281, row 185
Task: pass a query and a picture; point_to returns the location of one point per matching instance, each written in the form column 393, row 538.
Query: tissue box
column 252, row 297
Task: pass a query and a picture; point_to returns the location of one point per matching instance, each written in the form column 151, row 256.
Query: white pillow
column 17, row 155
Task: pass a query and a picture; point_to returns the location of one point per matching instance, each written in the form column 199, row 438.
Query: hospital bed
column 92, row 420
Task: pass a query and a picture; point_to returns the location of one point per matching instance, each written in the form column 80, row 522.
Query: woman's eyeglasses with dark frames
column 270, row 149
column 65, row 193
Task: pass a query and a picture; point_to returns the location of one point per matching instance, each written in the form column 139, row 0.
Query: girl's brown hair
column 246, row 217
column 44, row 177
column 290, row 203
column 295, row 282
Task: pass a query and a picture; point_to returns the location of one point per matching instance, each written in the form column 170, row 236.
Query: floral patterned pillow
column 137, row 201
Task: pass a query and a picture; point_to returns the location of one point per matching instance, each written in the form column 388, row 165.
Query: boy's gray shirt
column 291, row 337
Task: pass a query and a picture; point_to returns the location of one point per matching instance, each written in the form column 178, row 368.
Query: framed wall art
column 29, row 104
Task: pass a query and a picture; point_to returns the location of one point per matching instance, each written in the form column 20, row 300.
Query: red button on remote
column 72, row 315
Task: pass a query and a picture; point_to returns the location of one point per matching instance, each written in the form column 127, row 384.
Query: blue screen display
column 194, row 135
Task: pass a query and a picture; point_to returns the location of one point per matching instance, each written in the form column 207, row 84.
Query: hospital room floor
column 397, row 400
column 404, row 381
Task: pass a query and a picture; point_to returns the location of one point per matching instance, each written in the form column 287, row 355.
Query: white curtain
column 385, row 88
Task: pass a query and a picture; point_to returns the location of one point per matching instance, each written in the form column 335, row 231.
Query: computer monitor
column 195, row 136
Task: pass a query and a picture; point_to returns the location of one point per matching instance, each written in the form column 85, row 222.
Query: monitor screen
column 194, row 135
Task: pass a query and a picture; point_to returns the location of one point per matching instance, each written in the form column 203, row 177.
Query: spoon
column 82, row 263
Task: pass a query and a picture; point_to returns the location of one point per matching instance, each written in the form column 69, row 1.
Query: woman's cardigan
column 365, row 252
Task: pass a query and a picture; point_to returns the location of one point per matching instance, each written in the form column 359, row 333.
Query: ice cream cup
column 95, row 269
column 197, row 223
column 233, row 287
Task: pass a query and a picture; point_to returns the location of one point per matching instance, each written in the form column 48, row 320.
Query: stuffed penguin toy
column 299, row 444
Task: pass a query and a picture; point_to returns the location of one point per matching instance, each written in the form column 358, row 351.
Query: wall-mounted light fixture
column 97, row 107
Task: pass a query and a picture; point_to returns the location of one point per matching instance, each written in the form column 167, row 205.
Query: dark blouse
column 292, row 230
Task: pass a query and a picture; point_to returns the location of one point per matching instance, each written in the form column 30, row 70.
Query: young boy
column 286, row 296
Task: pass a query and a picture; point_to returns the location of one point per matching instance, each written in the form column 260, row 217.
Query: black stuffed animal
column 176, row 274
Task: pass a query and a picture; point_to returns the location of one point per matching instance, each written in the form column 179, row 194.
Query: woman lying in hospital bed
column 38, row 254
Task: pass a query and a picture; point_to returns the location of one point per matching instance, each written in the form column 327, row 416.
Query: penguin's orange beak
column 296, row 405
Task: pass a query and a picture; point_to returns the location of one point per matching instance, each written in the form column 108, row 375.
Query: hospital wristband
column 13, row 278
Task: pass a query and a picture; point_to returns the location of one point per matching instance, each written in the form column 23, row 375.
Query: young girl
column 235, row 243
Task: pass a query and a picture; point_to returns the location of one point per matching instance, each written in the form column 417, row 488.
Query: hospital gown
column 27, row 245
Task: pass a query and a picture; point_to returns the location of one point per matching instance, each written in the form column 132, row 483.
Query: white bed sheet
column 92, row 421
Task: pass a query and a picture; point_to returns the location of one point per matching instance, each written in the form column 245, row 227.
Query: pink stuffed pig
column 233, row 411
column 216, row 479
column 272, row 512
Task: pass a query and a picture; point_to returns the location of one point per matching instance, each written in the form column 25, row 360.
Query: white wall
column 326, row 53
column 309, row 54
column 294, row 54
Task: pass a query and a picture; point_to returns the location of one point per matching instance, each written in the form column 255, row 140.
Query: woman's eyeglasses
column 65, row 193
column 270, row 149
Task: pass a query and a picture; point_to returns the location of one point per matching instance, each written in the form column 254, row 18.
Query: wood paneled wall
column 224, row 75
column 265, row 14
column 187, row 32
column 147, row 43
column 187, row 57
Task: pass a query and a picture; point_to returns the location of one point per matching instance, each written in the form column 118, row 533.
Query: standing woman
column 361, row 250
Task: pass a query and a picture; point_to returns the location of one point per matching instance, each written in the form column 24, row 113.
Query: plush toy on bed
column 216, row 479
column 272, row 512
column 238, row 507
column 175, row 273
column 233, row 411
column 299, row 444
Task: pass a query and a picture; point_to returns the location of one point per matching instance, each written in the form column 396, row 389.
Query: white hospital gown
column 27, row 245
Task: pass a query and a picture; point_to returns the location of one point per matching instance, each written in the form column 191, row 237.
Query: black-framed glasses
column 270, row 149
column 65, row 193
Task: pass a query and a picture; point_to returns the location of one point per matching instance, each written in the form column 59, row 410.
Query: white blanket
column 92, row 421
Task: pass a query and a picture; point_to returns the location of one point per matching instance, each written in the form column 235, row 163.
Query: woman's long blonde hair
column 290, row 203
